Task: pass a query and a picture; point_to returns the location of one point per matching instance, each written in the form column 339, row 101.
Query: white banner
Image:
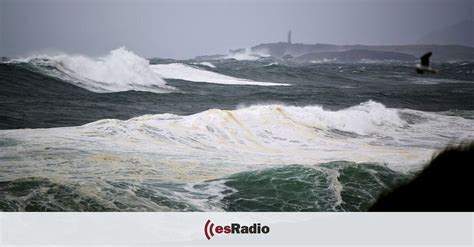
column 284, row 229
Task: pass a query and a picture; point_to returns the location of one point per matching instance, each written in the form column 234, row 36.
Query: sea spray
column 120, row 70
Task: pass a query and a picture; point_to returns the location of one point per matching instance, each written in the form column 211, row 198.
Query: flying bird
column 424, row 66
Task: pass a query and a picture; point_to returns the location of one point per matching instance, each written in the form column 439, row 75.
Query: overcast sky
column 184, row 29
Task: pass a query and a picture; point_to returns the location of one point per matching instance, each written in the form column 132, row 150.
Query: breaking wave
column 189, row 73
column 212, row 143
column 208, row 64
column 232, row 160
column 246, row 54
column 120, row 70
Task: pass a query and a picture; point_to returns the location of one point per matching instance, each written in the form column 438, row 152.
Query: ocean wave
column 272, row 64
column 216, row 143
column 120, row 70
column 334, row 186
column 43, row 194
column 208, row 64
column 189, row 73
column 247, row 54
column 215, row 160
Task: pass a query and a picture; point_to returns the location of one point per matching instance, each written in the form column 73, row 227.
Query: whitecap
column 189, row 73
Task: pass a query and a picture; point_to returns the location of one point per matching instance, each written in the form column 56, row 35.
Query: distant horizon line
column 57, row 51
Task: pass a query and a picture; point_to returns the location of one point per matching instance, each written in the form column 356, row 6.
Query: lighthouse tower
column 289, row 37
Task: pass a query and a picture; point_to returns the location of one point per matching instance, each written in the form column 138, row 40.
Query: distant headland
column 298, row 52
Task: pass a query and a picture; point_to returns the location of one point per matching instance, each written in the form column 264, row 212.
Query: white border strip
column 286, row 229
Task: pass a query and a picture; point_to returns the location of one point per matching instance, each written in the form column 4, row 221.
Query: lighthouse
column 289, row 36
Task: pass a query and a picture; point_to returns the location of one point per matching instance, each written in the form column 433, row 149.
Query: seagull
column 424, row 66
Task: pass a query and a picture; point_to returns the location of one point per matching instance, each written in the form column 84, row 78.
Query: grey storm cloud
column 184, row 29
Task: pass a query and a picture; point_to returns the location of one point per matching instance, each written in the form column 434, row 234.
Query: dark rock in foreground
column 445, row 185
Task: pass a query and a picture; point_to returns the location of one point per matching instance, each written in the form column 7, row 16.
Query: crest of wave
column 120, row 70
column 247, row 54
column 217, row 143
column 268, row 133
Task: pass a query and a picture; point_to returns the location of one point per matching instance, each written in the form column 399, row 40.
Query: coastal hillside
column 355, row 56
column 441, row 53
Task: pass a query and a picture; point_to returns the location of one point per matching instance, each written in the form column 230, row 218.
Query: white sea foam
column 435, row 81
column 247, row 54
column 120, row 70
column 208, row 64
column 216, row 143
column 271, row 64
column 324, row 60
column 189, row 73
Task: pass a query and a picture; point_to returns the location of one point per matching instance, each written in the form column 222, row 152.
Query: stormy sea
column 242, row 133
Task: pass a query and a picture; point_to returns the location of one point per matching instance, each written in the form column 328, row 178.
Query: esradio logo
column 210, row 230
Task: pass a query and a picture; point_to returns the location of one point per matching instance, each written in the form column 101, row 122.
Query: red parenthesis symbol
column 205, row 230
column 210, row 229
